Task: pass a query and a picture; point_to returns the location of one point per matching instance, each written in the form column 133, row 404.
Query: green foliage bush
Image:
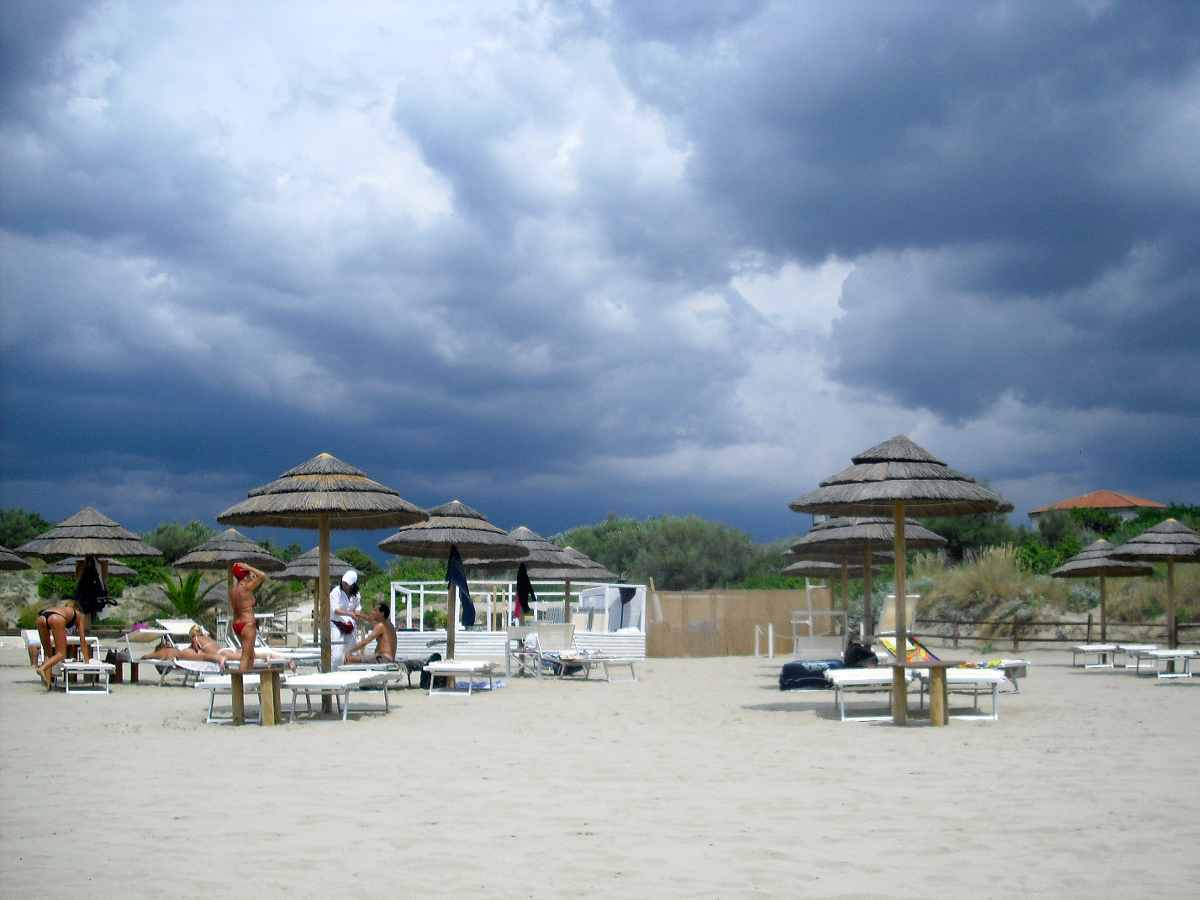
column 964, row 534
column 175, row 539
column 678, row 552
column 1097, row 521
column 27, row 617
column 19, row 526
column 57, row 587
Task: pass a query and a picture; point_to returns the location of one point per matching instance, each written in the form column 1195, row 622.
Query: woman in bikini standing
column 91, row 596
column 241, row 599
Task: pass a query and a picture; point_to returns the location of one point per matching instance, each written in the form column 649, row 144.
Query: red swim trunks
column 238, row 626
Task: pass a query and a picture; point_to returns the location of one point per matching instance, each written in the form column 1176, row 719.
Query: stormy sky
column 567, row 259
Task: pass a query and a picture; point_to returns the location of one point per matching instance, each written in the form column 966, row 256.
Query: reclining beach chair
column 340, row 685
column 176, row 633
column 223, row 684
column 972, row 681
column 1104, row 654
column 862, row 681
column 459, row 669
column 1012, row 669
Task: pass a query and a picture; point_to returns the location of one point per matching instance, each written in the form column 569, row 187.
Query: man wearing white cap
column 345, row 609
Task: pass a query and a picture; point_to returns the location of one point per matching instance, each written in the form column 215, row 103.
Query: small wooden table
column 939, row 698
column 269, row 712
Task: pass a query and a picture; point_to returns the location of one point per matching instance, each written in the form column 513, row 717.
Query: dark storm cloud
column 994, row 168
column 522, row 292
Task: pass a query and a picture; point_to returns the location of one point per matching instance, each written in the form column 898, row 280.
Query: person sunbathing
column 204, row 648
column 384, row 635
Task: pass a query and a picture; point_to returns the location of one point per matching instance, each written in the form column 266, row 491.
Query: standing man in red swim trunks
column 241, row 598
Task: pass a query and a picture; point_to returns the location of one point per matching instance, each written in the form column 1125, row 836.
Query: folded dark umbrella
column 457, row 575
column 526, row 595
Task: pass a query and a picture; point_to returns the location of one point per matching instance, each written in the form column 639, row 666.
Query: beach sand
column 701, row 780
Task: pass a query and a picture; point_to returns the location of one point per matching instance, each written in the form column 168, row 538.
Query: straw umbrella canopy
column 307, row 566
column 450, row 525
column 67, row 567
column 592, row 570
column 219, row 553
column 87, row 533
column 893, row 477
column 10, row 562
column 1170, row 542
column 1095, row 561
column 546, row 561
column 323, row 493
column 846, row 538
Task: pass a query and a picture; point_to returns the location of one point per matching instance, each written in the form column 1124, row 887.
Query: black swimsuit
column 47, row 613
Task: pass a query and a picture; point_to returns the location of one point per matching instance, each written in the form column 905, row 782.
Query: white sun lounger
column 339, row 684
column 1104, row 654
column 860, row 681
column 1130, row 652
column 102, row 672
column 975, row 681
column 1154, row 657
column 223, row 684
column 459, row 667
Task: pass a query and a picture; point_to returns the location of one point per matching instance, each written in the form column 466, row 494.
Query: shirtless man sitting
column 384, row 635
column 241, row 598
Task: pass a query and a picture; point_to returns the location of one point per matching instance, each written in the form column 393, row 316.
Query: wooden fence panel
column 721, row 623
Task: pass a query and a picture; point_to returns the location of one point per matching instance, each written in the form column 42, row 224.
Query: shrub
column 27, row 618
column 435, row 618
column 56, row 587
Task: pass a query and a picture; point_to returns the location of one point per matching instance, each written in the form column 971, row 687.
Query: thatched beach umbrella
column 219, row 553
column 591, row 570
column 845, row 538
column 1095, row 561
column 323, row 493
column 67, row 567
column 1170, row 542
column 893, row 477
column 10, row 562
column 451, row 525
column 307, row 567
column 545, row 561
column 87, row 533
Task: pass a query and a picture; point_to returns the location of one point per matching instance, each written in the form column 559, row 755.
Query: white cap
column 351, row 577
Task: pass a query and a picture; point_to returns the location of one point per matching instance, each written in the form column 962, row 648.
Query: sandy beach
column 700, row 780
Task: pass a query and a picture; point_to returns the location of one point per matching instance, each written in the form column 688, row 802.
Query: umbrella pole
column 1172, row 641
column 868, row 621
column 1103, row 616
column 567, row 602
column 845, row 602
column 451, row 618
column 323, row 600
column 899, row 685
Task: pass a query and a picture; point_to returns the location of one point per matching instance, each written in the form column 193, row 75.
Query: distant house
column 1124, row 506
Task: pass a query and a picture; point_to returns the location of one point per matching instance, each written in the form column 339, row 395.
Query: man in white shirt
column 345, row 609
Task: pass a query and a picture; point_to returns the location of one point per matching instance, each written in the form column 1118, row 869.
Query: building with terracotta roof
column 1124, row 506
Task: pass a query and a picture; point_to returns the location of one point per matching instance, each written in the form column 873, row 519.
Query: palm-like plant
column 183, row 597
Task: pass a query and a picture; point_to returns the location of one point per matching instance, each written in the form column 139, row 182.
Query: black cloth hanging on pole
column 526, row 595
column 627, row 594
column 91, row 593
column 457, row 575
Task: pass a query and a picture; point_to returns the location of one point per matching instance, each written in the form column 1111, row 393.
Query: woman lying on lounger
column 203, row 648
column 91, row 596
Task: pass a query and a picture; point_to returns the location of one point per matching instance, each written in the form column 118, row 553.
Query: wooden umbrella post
column 451, row 617
column 1172, row 635
column 868, row 622
column 899, row 683
column 845, row 602
column 1103, row 615
column 567, row 601
column 323, row 599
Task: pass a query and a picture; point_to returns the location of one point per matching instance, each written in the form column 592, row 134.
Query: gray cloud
column 543, row 260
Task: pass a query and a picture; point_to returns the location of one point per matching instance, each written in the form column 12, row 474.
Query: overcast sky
column 562, row 260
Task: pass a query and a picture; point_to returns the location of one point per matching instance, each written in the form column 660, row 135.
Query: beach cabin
column 608, row 618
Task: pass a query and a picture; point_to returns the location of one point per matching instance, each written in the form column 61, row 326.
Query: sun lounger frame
column 340, row 690
column 1105, row 655
column 880, row 683
column 102, row 670
column 456, row 668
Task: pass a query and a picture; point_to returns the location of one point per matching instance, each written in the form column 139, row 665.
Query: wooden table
column 268, row 690
column 939, row 699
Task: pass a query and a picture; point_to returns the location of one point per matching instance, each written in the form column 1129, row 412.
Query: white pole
column 421, row 627
column 756, row 633
column 770, row 640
